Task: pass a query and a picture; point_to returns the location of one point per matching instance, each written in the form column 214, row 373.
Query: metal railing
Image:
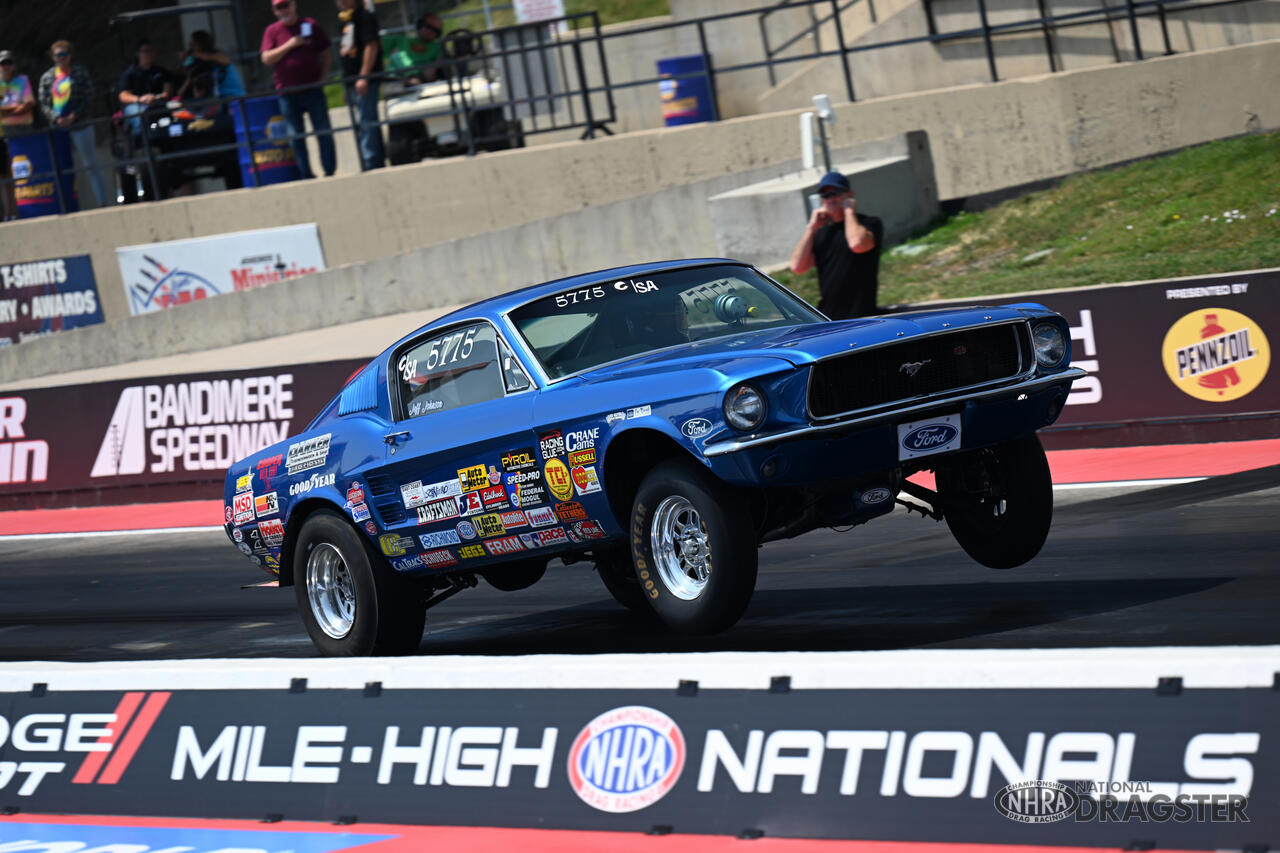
column 555, row 82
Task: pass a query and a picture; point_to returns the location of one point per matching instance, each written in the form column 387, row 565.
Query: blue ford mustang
column 661, row 421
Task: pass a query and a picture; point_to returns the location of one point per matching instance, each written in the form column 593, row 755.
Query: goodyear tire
column 695, row 569
column 351, row 601
column 1000, row 502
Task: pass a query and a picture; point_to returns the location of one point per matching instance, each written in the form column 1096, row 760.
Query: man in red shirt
column 297, row 52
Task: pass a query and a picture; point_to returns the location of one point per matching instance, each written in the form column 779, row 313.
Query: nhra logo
column 1216, row 355
column 626, row 759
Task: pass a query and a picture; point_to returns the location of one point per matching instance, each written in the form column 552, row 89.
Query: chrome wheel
column 330, row 591
column 681, row 548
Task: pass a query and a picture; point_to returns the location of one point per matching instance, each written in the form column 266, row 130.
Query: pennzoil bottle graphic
column 1227, row 376
column 1216, row 354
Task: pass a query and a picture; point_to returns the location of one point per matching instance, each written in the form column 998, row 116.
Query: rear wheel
column 694, row 568
column 352, row 603
column 999, row 502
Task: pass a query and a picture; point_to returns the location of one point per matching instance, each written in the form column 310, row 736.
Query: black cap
column 835, row 180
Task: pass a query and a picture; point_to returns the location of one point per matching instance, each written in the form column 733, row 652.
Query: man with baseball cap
column 296, row 50
column 845, row 247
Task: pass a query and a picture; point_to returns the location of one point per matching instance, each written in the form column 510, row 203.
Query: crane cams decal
column 1216, row 355
column 626, row 759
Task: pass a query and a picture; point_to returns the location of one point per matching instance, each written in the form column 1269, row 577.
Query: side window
column 512, row 373
column 450, row 370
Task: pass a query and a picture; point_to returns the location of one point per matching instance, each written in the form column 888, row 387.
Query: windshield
column 579, row 328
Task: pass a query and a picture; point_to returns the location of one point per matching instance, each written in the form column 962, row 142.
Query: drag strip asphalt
column 1183, row 564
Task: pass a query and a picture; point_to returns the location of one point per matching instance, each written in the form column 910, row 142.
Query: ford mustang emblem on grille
column 911, row 368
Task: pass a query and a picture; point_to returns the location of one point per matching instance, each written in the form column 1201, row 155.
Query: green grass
column 1161, row 218
column 611, row 12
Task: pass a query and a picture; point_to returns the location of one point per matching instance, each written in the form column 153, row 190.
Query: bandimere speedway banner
column 46, row 296
column 157, row 276
column 1114, row 767
column 145, row 432
column 1172, row 350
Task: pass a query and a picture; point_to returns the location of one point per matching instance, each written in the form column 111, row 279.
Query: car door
column 461, row 408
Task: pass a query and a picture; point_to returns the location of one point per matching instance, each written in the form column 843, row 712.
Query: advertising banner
column 1188, row 348
column 161, row 275
column 145, row 432
column 1125, row 768
column 532, row 11
column 41, row 297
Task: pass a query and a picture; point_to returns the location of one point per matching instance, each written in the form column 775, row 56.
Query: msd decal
column 194, row 426
column 626, row 759
column 111, row 741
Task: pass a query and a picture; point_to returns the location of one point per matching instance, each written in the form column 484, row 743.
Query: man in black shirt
column 845, row 247
column 361, row 52
column 144, row 81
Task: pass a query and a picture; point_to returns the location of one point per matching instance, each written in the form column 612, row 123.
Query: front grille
column 946, row 362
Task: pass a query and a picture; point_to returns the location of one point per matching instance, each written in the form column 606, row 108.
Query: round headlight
column 744, row 408
column 1051, row 346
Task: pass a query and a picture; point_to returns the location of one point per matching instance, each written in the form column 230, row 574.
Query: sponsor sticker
column 411, row 494
column 512, row 519
column 265, row 505
column 393, row 545
column 558, row 481
column 588, row 529
column 494, row 497
column 355, row 494
column 551, row 445
column 519, row 460
column 505, row 545
column 470, row 552
column 1036, row 801
column 243, row 504
column 360, row 512
column 308, row 454
column 272, row 532
column 236, row 534
column 245, row 482
column 230, row 512
column 585, row 480
column 371, row 528
column 554, row 536
column 696, row 427
column 440, row 510
column 613, row 418
column 268, row 468
column 626, row 759
column 639, row 412
column 579, row 458
column 470, row 503
column 440, row 539
column 405, row 564
column 495, row 476
column 530, row 541
column 571, row 511
column 1216, row 355
column 472, row 478
column 877, row 495
column 315, row 481
column 490, row 525
column 542, row 516
column 527, row 494
column 416, row 494
column 581, row 439
column 439, row 559
column 466, row 529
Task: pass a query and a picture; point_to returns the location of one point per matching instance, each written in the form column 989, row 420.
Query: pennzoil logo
column 1216, row 354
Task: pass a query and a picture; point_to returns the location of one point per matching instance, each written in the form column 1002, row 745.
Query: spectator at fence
column 297, row 52
column 423, row 54
column 65, row 94
column 845, row 247
column 361, row 51
column 202, row 57
column 17, row 114
column 143, row 84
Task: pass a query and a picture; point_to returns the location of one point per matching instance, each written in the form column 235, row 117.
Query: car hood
column 798, row 345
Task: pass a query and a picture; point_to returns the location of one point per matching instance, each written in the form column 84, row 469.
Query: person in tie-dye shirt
column 65, row 95
column 17, row 110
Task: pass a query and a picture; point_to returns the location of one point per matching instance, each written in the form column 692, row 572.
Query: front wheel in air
column 999, row 502
column 351, row 602
column 693, row 546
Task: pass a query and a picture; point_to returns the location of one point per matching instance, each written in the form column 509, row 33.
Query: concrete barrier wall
column 983, row 138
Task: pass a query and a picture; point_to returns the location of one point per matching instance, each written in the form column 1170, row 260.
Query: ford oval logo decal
column 696, row 427
column 929, row 436
column 626, row 759
column 877, row 495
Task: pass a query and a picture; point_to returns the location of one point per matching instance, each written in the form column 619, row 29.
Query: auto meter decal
column 558, row 480
column 626, row 759
column 1216, row 354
